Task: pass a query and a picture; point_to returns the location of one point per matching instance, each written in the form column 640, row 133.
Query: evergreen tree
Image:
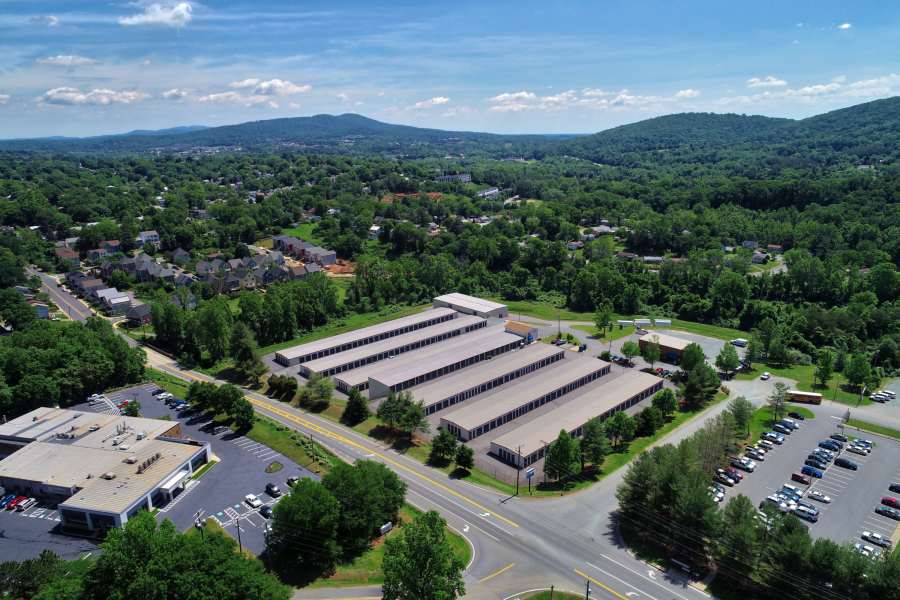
column 357, row 409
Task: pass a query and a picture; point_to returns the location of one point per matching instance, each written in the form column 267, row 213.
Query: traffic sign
column 529, row 473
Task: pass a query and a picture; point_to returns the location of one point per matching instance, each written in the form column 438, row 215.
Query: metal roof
column 365, row 332
column 576, row 412
column 511, row 396
column 470, row 377
column 470, row 302
column 666, row 341
column 349, row 356
column 425, row 360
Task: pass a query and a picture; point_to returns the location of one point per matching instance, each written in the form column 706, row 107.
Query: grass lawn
column 713, row 331
column 211, row 527
column 545, row 595
column 173, row 385
column 292, row 444
column 874, row 428
column 612, row 334
column 543, row 310
column 202, row 470
column 763, row 418
column 304, row 231
column 803, row 375
column 366, row 568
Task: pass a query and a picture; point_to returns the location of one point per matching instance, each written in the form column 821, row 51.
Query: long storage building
column 428, row 363
column 360, row 337
column 391, row 347
column 471, row 305
column 477, row 379
column 510, row 402
column 527, row 444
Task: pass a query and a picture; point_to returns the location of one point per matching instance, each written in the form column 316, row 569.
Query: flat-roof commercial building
column 527, row 444
column 100, row 469
column 391, row 347
column 428, row 363
column 477, row 379
column 471, row 305
column 510, row 402
column 360, row 337
column 671, row 348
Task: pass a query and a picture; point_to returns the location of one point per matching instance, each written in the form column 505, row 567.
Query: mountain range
column 863, row 133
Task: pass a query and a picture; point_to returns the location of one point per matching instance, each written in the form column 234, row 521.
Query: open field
column 837, row 390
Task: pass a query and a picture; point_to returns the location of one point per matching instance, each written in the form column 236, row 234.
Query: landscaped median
column 874, row 428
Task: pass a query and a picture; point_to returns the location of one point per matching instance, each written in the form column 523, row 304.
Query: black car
column 292, row 480
column 887, row 511
column 815, row 463
column 895, row 487
column 839, row 438
column 796, row 415
column 266, row 511
column 830, row 445
column 845, row 463
column 273, row 490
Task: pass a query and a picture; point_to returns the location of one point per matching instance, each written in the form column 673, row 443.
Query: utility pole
column 551, row 592
column 518, row 469
column 587, row 589
column 237, row 523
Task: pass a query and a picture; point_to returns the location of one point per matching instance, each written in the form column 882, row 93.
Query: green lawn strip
column 874, row 428
column 713, row 331
column 173, row 385
column 291, row 444
column 345, row 324
column 542, row 310
column 304, row 231
column 365, row 569
column 545, row 595
column 803, row 375
column 612, row 334
column 763, row 419
column 202, row 470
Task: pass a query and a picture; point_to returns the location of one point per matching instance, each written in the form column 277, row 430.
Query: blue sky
column 82, row 68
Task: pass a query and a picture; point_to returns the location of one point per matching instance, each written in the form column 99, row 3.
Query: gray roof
column 342, row 358
column 511, row 396
column 437, row 356
column 360, row 334
column 436, row 391
column 666, row 341
column 469, row 302
column 576, row 412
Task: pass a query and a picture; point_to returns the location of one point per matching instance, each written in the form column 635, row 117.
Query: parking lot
column 218, row 494
column 854, row 494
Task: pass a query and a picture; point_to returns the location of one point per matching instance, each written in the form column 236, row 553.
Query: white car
column 857, row 450
column 766, row 444
column 877, row 539
column 765, row 376
column 817, row 495
column 866, row 550
column 252, row 501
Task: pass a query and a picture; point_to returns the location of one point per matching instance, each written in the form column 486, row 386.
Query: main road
column 519, row 543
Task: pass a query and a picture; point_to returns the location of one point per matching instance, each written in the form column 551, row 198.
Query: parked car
column 826, row 455
column 812, row 471
column 846, row 463
column 820, row 496
column 742, row 465
column 252, row 501
column 815, row 464
column 796, row 415
column 773, row 437
column 6, row 500
column 805, row 514
column 892, row 502
column 273, row 490
column 266, row 512
column 895, row 487
column 734, row 474
column 857, row 450
column 715, row 494
column 766, row 443
column 799, row 477
column 887, row 511
column 876, row 538
column 866, row 550
column 755, row 454
column 765, row 376
column 15, row 501
column 292, row 480
column 790, row 423
column 26, row 504
column 829, row 445
column 839, row 437
column 782, row 429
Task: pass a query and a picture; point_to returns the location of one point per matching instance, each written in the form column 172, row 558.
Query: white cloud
column 67, row 60
column 845, row 26
column 766, row 82
column 512, row 101
column 175, row 94
column 4, row 98
column 688, row 93
column 72, row 96
column 271, row 87
column 238, row 98
column 48, row 20
column 170, row 14
column 837, row 88
column 588, row 98
column 436, row 101
column 343, row 97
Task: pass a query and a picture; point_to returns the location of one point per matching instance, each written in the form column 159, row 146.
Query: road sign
column 529, row 473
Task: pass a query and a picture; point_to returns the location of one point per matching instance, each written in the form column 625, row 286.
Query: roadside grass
column 713, row 331
column 545, row 595
column 173, row 385
column 204, row 469
column 365, row 569
column 837, row 389
column 210, row 528
column 874, row 428
column 291, row 444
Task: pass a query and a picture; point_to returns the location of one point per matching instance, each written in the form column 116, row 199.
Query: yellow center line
column 497, row 572
column 602, row 585
column 345, row 440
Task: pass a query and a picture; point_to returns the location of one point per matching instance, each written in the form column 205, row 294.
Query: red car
column 734, row 473
column 14, row 501
column 887, row 501
column 801, row 478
